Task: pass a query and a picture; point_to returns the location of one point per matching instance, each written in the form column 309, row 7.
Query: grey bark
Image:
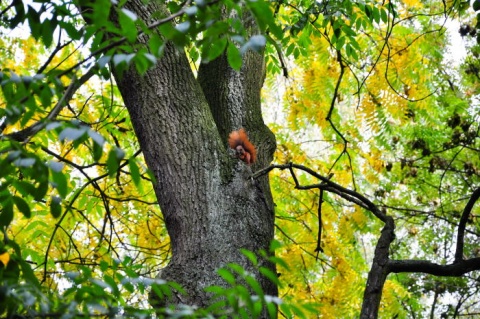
column 212, row 207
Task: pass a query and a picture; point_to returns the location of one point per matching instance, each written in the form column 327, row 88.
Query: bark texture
column 212, row 207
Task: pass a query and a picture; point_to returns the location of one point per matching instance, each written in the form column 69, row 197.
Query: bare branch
column 455, row 269
column 462, row 225
column 327, row 185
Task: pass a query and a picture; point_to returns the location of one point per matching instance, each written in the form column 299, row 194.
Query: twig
column 319, row 249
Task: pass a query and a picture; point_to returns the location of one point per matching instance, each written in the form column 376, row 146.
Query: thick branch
column 379, row 272
column 463, row 223
column 423, row 266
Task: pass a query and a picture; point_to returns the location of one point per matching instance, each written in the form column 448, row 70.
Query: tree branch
column 462, row 225
column 327, row 185
column 455, row 269
column 26, row 133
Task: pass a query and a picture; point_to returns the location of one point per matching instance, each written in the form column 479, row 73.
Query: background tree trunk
column 212, row 207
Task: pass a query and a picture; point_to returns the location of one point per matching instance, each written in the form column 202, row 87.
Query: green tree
column 399, row 125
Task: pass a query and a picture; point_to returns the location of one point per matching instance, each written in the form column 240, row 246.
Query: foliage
column 370, row 90
column 115, row 290
column 398, row 124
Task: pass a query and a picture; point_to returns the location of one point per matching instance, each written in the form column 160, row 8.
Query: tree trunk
column 212, row 207
column 379, row 272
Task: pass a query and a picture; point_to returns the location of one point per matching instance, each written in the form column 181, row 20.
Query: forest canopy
column 374, row 181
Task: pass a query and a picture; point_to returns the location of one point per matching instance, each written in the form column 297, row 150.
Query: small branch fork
column 382, row 265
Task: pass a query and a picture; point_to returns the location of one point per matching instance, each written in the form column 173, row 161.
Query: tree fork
column 212, row 206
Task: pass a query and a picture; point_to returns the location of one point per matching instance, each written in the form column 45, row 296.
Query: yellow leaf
column 5, row 258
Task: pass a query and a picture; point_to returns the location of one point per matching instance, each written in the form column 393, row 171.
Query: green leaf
column 48, row 30
column 98, row 142
column 237, row 268
column 279, row 261
column 134, row 171
column 28, row 274
column 20, row 14
column 274, row 245
column 97, row 151
column 254, row 284
column 22, row 206
column 113, row 285
column 123, row 58
column 144, row 61
column 368, row 11
column 217, row 306
column 216, row 290
column 216, row 49
column 97, row 138
column 72, row 134
column 270, row 275
column 55, row 206
column 234, row 57
column 348, row 31
column 155, row 44
column 340, row 43
column 60, row 182
column 476, row 5
column 158, row 291
column 177, row 287
column 265, row 18
column 376, row 14
column 46, row 95
column 255, row 43
column 226, row 275
column 171, row 33
column 55, row 166
column 250, row 255
column 41, row 190
column 272, row 309
column 24, row 162
column 34, row 22
column 6, row 214
column 24, row 188
column 71, row 29
column 100, row 12
column 113, row 160
column 384, row 15
column 127, row 23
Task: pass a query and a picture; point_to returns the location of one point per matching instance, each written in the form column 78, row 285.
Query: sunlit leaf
column 234, row 57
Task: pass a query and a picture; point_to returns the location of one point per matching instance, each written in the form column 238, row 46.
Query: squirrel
column 245, row 150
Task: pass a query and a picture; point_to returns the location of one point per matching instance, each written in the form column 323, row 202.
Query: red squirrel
column 238, row 140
